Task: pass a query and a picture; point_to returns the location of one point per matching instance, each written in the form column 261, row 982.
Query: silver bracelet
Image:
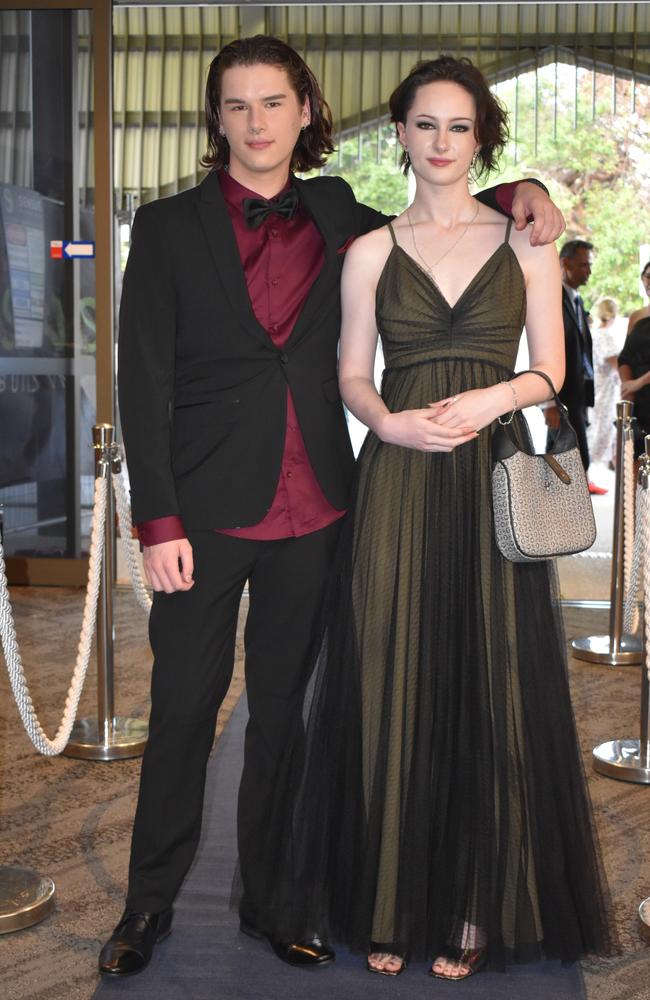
column 515, row 404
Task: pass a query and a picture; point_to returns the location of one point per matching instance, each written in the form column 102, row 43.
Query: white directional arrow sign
column 77, row 249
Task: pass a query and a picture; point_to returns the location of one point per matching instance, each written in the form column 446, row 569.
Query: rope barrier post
column 616, row 648
column 109, row 737
column 629, row 760
column 25, row 898
column 644, row 912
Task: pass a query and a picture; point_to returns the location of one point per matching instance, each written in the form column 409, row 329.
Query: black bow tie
column 257, row 209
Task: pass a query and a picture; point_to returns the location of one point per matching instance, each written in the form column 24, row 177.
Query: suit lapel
column 570, row 310
column 315, row 206
column 225, row 254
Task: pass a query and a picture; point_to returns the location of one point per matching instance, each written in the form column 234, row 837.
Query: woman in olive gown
column 442, row 813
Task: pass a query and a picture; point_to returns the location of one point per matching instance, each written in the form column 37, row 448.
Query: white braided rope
column 124, row 518
column 12, row 654
column 632, row 552
column 634, row 581
column 643, row 518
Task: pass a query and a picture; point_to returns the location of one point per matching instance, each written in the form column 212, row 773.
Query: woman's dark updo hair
column 491, row 126
column 314, row 143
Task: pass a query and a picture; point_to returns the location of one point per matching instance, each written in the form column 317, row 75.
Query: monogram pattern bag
column 541, row 503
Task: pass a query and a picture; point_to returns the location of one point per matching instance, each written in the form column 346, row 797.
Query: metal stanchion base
column 596, row 649
column 25, row 898
column 644, row 911
column 126, row 738
column 626, row 760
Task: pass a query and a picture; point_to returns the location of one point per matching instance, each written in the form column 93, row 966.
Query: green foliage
column 596, row 165
column 379, row 184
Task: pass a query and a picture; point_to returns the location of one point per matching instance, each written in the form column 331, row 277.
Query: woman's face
column 439, row 132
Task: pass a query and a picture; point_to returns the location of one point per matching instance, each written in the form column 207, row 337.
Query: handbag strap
column 504, row 440
column 533, row 371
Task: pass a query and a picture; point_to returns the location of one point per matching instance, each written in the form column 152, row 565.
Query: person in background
column 577, row 393
column 606, row 343
column 634, row 371
column 645, row 310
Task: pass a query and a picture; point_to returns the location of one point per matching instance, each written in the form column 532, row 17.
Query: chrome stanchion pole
column 25, row 898
column 629, row 760
column 616, row 648
column 109, row 737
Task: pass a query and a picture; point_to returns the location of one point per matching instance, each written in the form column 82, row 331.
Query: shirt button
column 275, row 281
column 273, row 329
column 274, row 233
column 284, row 359
column 289, row 475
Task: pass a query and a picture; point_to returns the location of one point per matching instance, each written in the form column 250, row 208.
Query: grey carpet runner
column 207, row 958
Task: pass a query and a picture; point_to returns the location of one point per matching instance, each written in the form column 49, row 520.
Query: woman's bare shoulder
column 368, row 253
column 520, row 242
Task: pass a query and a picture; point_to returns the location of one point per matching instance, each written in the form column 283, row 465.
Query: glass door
column 48, row 291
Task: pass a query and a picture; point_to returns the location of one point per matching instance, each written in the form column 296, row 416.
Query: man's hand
column 169, row 566
column 548, row 221
column 552, row 417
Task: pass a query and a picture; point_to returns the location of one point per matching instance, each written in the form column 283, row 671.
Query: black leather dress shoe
column 312, row 951
column 130, row 946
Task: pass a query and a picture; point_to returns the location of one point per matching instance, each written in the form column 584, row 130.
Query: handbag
column 541, row 503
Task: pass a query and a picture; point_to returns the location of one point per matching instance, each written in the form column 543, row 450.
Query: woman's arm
column 409, row 428
column 630, row 386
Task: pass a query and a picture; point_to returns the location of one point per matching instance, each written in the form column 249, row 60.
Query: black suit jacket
column 202, row 388
column 577, row 391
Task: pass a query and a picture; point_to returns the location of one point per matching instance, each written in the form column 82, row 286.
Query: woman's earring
column 407, row 158
column 221, row 132
column 305, row 126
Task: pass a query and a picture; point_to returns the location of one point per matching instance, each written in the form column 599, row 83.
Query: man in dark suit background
column 239, row 456
column 577, row 393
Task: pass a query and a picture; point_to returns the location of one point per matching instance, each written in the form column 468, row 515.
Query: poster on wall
column 23, row 293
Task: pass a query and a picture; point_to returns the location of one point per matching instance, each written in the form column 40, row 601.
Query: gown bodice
column 417, row 324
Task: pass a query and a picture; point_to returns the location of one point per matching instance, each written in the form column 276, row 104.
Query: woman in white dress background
column 608, row 335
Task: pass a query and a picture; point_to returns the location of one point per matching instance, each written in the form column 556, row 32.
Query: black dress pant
column 193, row 640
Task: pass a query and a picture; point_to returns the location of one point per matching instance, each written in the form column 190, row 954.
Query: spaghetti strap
column 506, row 238
column 392, row 233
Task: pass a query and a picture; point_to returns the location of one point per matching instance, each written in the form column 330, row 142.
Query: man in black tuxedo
column 239, row 456
column 577, row 393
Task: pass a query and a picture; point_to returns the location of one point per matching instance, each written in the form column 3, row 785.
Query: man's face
column 261, row 116
column 577, row 269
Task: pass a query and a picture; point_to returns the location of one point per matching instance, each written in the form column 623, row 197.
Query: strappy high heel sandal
column 473, row 959
column 384, row 956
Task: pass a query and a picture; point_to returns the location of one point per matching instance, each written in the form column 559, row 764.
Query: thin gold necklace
column 447, row 251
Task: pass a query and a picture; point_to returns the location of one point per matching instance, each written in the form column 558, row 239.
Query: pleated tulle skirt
column 438, row 797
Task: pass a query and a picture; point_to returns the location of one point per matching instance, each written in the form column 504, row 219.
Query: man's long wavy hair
column 314, row 143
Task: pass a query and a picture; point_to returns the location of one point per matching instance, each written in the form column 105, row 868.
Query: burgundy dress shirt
column 281, row 259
